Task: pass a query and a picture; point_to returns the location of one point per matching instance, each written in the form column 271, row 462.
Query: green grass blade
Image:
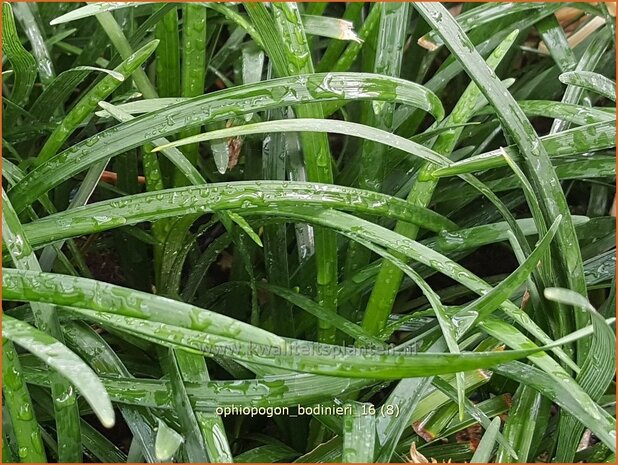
column 594, row 82
column 555, row 375
column 484, row 450
column 478, row 236
column 275, row 151
column 352, row 51
column 269, row 453
column 556, row 42
column 391, row 40
column 317, row 126
column 105, row 362
column 294, row 358
column 576, row 114
column 167, row 442
column 350, row 226
column 215, row 197
column 474, row 412
column 487, row 303
column 67, row 419
column 483, row 14
column 96, row 444
column 597, row 136
column 601, row 423
column 310, row 306
column 316, row 150
column 215, row 106
column 161, row 308
column 89, row 102
column 194, row 445
column 539, row 168
column 527, row 409
column 56, row 93
column 336, row 47
column 25, row 16
column 294, row 389
column 176, row 157
column 407, row 396
column 597, row 370
column 587, row 62
column 193, row 68
column 389, row 278
column 246, row 227
column 358, row 433
column 91, row 10
column 18, row 403
column 168, row 55
column 23, row 63
column 59, row 357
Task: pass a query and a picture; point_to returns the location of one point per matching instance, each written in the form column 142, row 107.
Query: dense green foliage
column 216, row 215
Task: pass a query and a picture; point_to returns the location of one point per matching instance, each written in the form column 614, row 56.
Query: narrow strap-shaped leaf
column 352, row 51
column 17, row 401
column 587, row 62
column 386, row 57
column 600, row 422
column 208, row 108
column 167, row 442
column 97, row 217
column 335, row 47
column 194, row 445
column 406, row 396
column 193, row 68
column 485, row 449
column 161, row 308
column 350, row 226
column 45, row 65
column 486, row 303
column 479, row 236
column 473, row 411
column 597, row 370
column 555, row 376
column 483, row 14
column 528, row 409
column 591, row 81
column 555, row 40
column 316, row 150
column 391, row 38
column 290, row 389
column 576, row 114
column 89, row 101
column 596, row 136
column 317, row 125
column 358, row 433
column 538, row 166
column 388, row 281
column 87, row 343
column 347, row 364
column 173, row 155
column 45, row 317
column 91, row 10
column 23, row 63
column 56, row 93
column 59, row 357
column 313, row 308
column 168, row 55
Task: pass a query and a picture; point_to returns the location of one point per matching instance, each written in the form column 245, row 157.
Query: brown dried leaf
column 416, row 456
